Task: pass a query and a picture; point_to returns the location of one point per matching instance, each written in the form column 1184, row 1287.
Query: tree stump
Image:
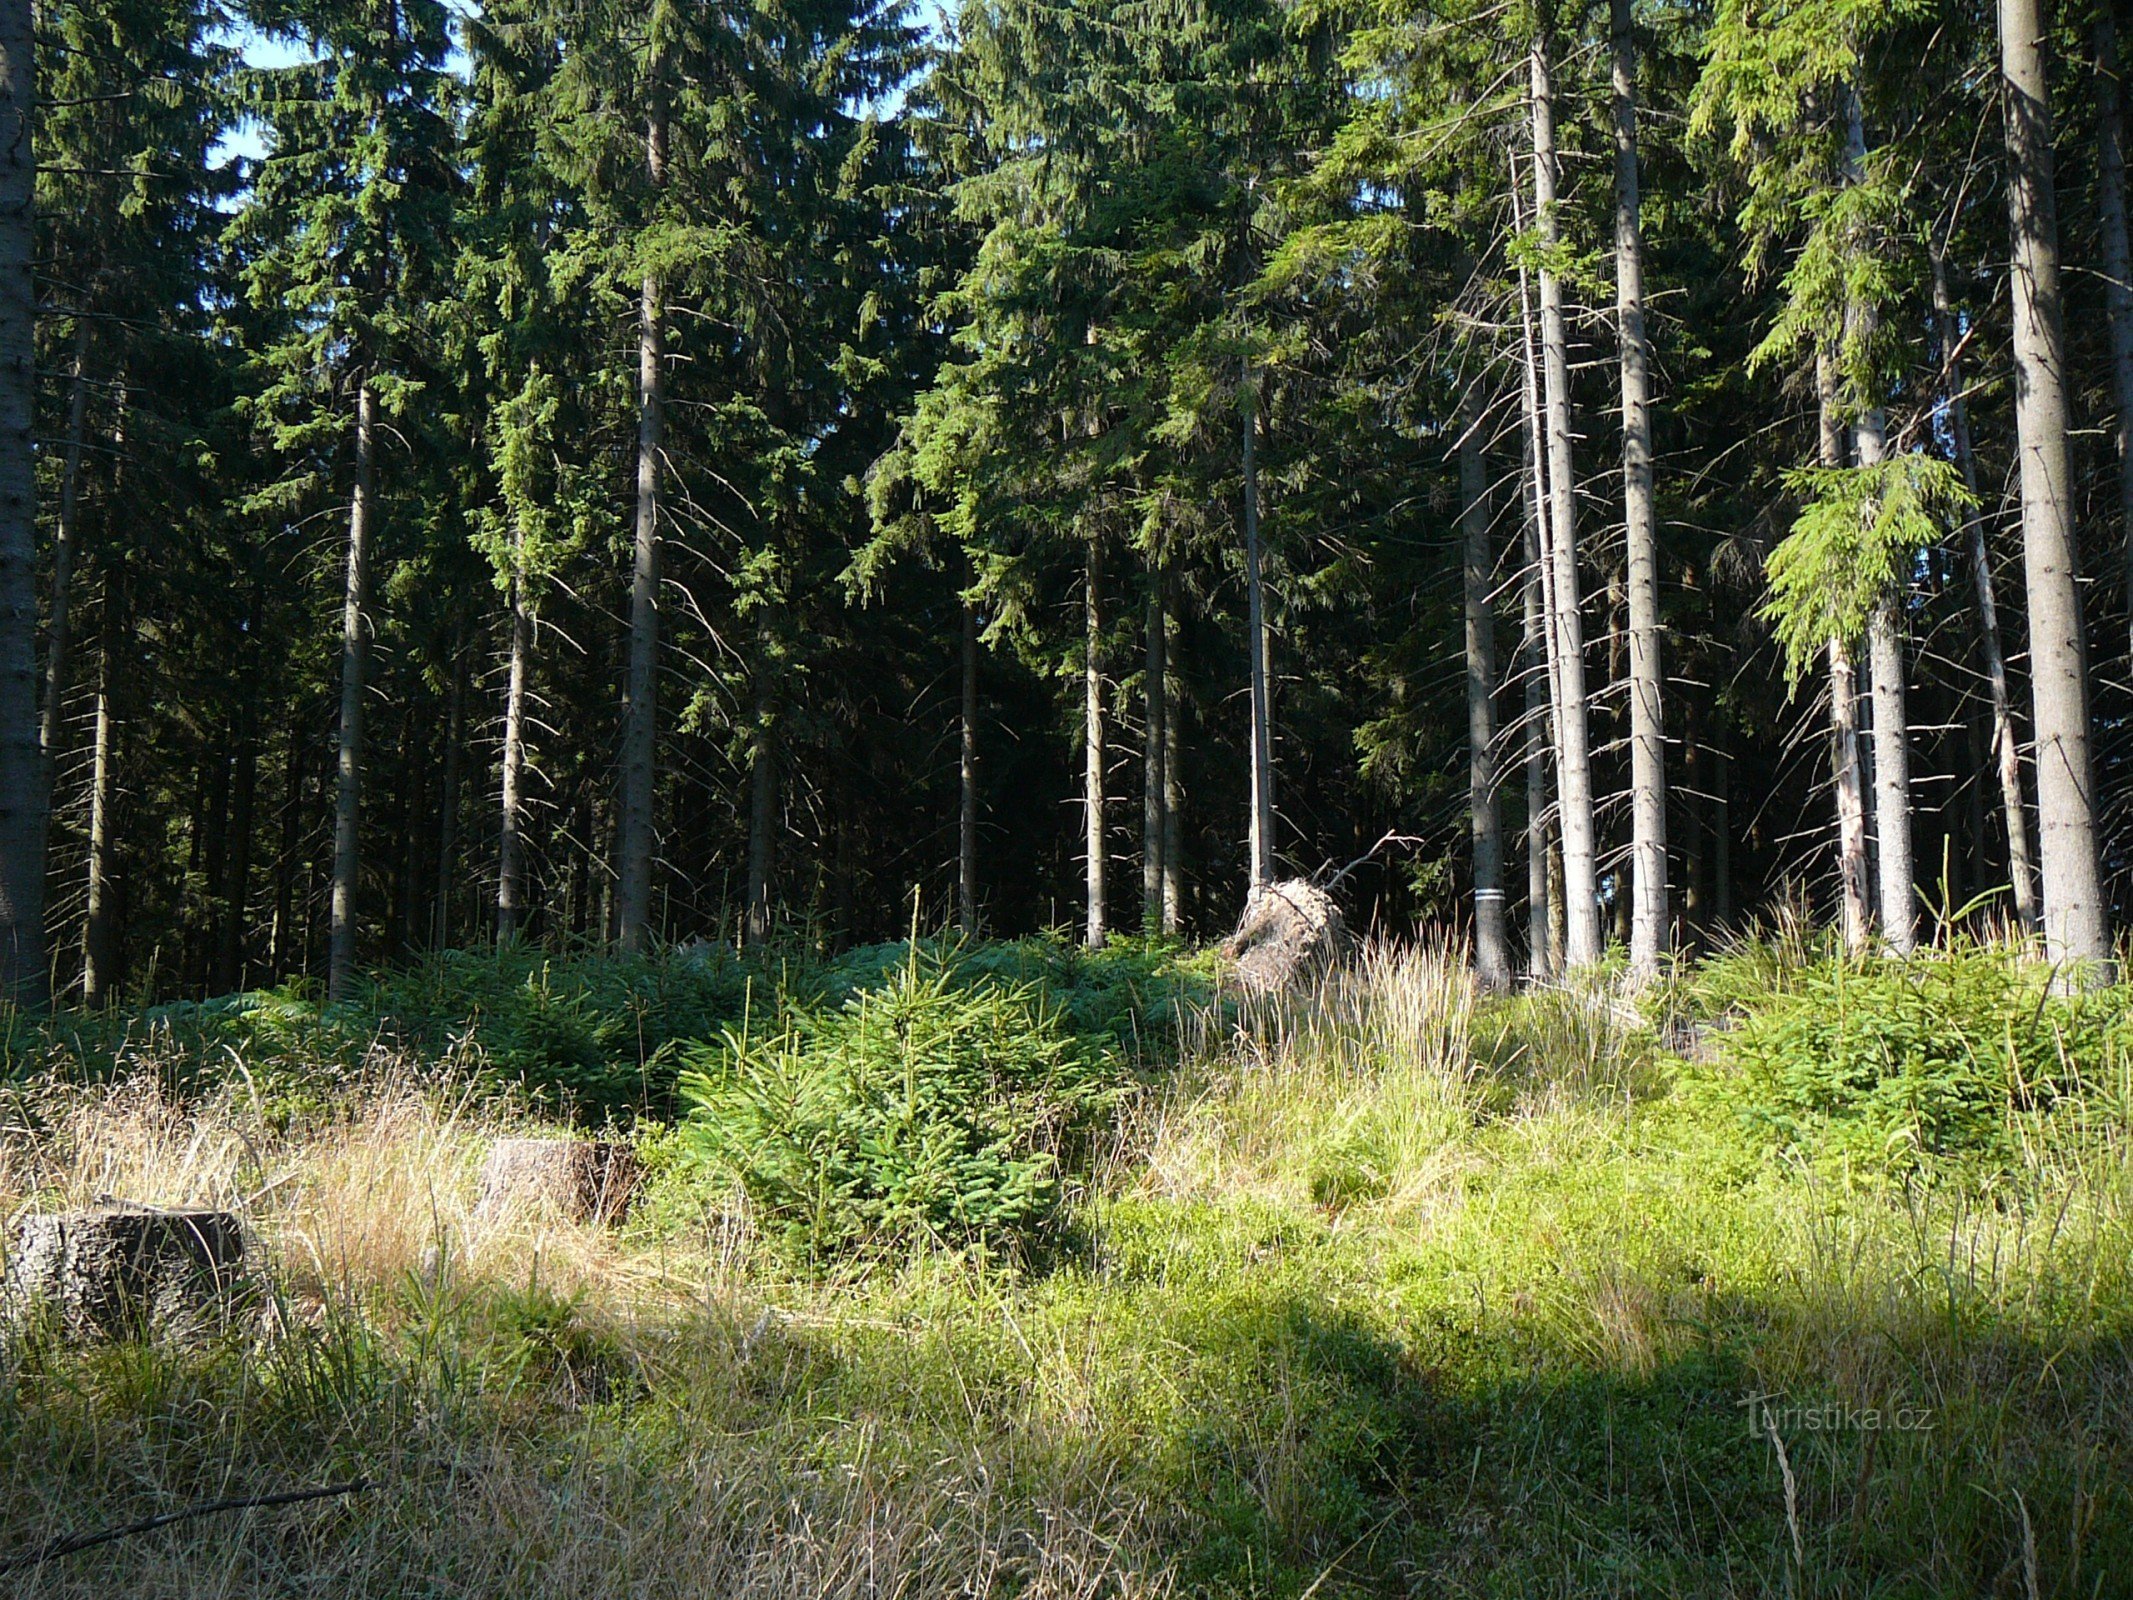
column 122, row 1272
column 581, row 1180
column 1290, row 931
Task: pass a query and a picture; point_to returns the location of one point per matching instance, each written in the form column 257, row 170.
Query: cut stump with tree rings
column 579, row 1180
column 122, row 1272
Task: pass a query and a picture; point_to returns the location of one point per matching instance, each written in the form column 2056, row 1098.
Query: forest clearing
column 1392, row 1289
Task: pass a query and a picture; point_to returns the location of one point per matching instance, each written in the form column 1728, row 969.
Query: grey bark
column 966, row 831
column 1092, row 791
column 2076, row 923
column 1892, row 740
column 355, row 657
column 1573, row 765
column 1543, row 694
column 2006, row 750
column 1650, row 924
column 1884, row 641
column 1492, row 944
column 640, row 726
column 510, row 841
column 1262, row 753
column 1854, row 895
column 24, row 792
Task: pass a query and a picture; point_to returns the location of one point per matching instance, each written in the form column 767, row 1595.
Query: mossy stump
column 127, row 1272
column 1290, row 932
column 580, row 1180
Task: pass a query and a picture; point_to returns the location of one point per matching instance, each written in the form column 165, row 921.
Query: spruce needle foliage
column 1856, row 537
column 923, row 1109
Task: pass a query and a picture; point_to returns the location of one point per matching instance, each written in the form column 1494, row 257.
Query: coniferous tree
column 344, row 241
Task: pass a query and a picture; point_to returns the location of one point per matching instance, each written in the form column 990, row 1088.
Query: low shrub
column 926, row 1108
column 1960, row 1056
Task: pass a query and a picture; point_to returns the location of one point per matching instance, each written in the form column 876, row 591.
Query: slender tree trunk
column 511, row 844
column 59, row 636
column 2117, row 267
column 100, row 923
column 1884, row 642
column 2006, row 750
column 1262, row 752
column 1492, row 944
column 1892, row 748
column 966, row 832
column 1173, row 780
column 640, row 726
column 355, row 655
column 1540, row 942
column 1845, row 777
column 1092, row 802
column 24, row 792
column 1573, row 765
column 762, row 813
column 1154, row 745
column 1543, row 693
column 1650, row 925
column 2076, row 922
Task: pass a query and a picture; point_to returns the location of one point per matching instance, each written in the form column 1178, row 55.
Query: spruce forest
column 1066, row 799
column 650, row 475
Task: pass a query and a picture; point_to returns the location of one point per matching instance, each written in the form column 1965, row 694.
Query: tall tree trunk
column 100, row 924
column 2076, row 923
column 1155, row 721
column 1492, row 943
column 966, row 829
column 511, row 843
column 1573, row 766
column 1845, row 778
column 1649, row 926
column 633, row 886
column 762, row 813
column 1884, row 639
column 1892, row 745
column 1173, row 779
column 1543, row 693
column 2117, row 267
column 24, row 791
column 355, row 655
column 1262, row 751
column 2006, row 750
column 59, row 636
column 1092, row 790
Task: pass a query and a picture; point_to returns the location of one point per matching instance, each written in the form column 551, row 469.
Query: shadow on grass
column 1067, row 1437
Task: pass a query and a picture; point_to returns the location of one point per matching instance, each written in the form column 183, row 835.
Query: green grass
column 1393, row 1291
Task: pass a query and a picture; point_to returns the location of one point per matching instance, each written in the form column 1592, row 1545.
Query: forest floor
column 1399, row 1290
